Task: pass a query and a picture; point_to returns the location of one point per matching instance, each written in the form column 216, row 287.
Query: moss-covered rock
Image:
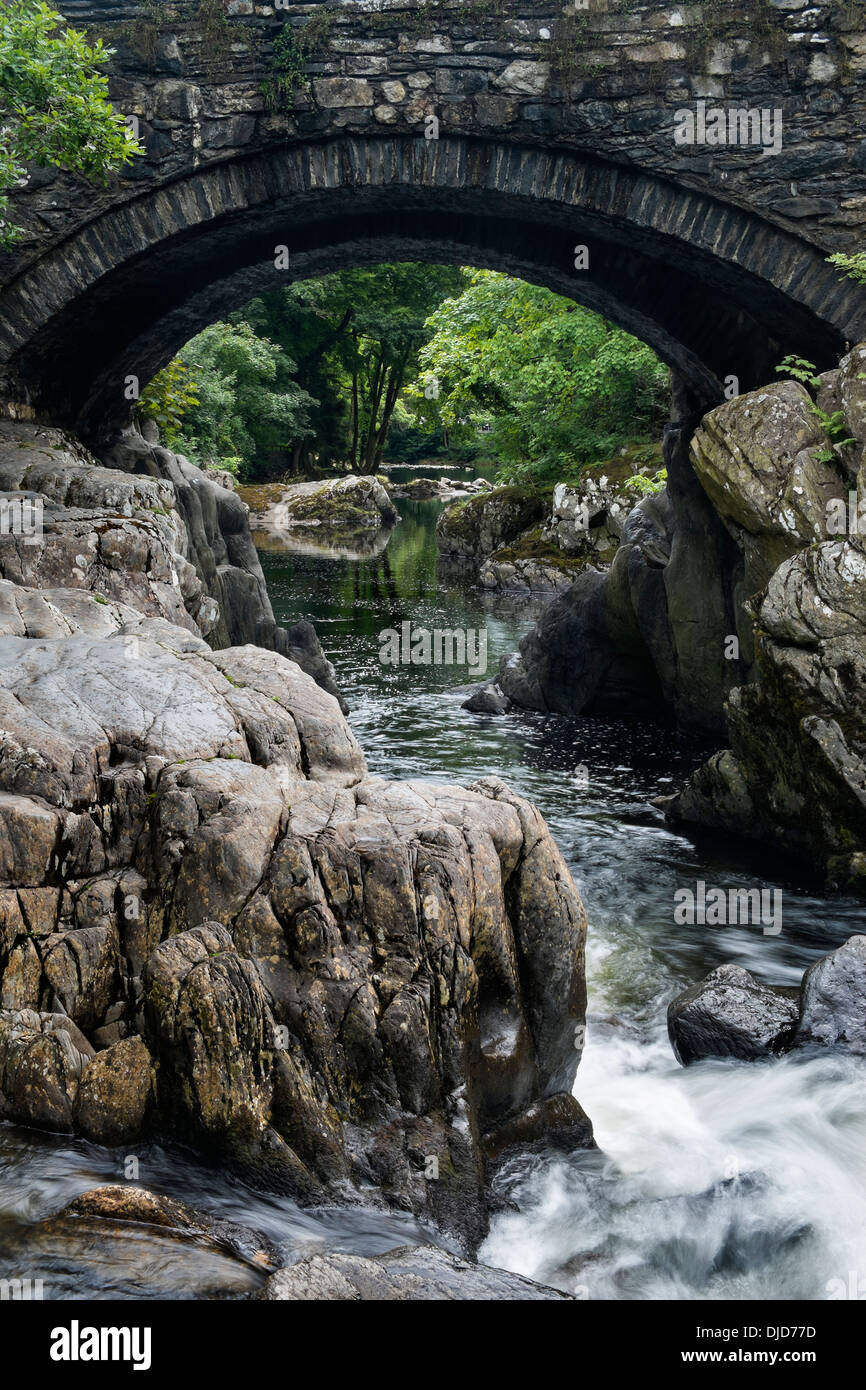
column 532, row 563
column 337, row 506
column 475, row 528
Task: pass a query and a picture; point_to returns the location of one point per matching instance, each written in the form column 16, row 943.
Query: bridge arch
column 715, row 289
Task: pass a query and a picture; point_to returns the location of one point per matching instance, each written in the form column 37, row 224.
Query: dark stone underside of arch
column 714, row 290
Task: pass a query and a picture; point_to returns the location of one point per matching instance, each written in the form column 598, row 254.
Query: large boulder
column 794, row 771
column 833, row 1000
column 333, row 508
column 731, row 1014
column 343, row 986
column 42, row 1060
column 475, row 528
column 116, row 1092
column 760, row 460
column 592, row 648
column 111, row 539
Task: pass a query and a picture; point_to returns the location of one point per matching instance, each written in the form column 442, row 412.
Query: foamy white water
column 721, row 1180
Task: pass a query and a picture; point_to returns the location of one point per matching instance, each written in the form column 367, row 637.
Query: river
column 723, row 1180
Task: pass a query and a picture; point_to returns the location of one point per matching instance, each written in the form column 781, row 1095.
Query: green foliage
column 639, row 482
column 836, row 429
column 356, row 337
column 54, row 106
column 852, row 266
column 432, row 359
column 168, row 399
column 292, row 51
column 546, row 386
column 242, row 398
column 833, row 424
column 800, row 369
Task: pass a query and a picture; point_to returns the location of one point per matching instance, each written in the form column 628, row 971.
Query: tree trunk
column 375, row 399
column 355, row 417
column 395, row 386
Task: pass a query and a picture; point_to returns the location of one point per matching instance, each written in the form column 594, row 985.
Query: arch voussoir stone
column 713, row 288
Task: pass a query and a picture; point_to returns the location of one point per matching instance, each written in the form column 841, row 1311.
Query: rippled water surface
column 722, row 1180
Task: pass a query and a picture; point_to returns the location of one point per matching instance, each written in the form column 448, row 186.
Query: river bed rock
column 416, row 1273
column 119, row 1204
column 217, row 929
column 731, row 1014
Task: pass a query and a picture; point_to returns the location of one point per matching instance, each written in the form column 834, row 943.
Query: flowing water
column 722, row 1180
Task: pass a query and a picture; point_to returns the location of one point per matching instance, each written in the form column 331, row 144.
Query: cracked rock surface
column 216, row 928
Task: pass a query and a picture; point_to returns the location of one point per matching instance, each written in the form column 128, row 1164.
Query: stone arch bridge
column 504, row 134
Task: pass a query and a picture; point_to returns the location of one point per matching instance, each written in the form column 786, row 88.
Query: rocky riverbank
column 215, row 926
column 734, row 604
column 528, row 541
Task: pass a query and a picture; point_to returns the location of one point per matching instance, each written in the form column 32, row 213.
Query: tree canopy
column 446, row 361
column 552, row 385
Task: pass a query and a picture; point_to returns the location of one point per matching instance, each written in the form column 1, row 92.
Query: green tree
column 169, row 397
column 852, row 266
column 355, row 336
column 54, row 106
column 546, row 385
column 229, row 394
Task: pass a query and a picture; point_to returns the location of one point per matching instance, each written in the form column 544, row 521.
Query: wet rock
column 119, row 1205
column 333, row 983
column 556, row 1123
column 208, row 1016
column 488, row 699
column 415, row 1273
column 731, row 1014
column 116, row 1093
column 81, row 968
column 42, row 1058
column 833, row 1000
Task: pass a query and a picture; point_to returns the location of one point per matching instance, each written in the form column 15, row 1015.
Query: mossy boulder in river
column 474, row 528
column 335, row 506
column 532, row 563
